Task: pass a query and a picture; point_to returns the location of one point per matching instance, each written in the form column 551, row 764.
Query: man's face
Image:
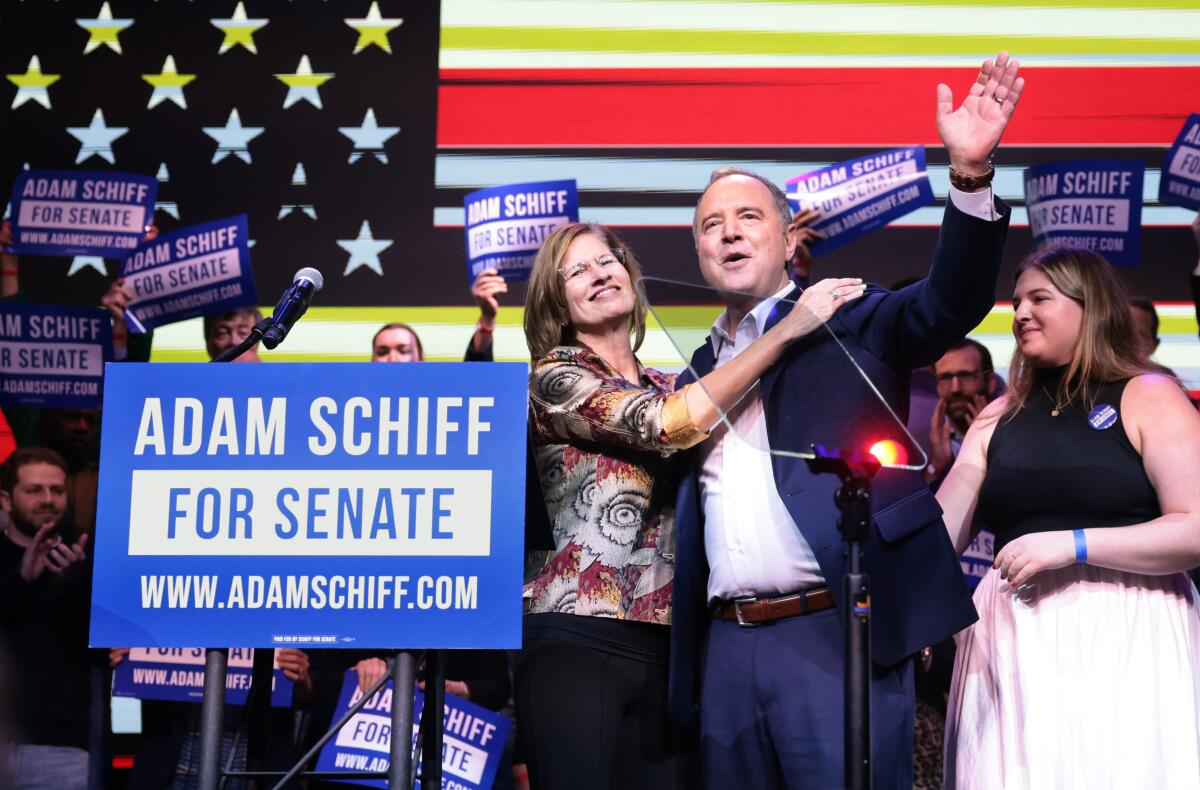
column 741, row 241
column 961, row 381
column 38, row 498
column 228, row 332
column 1143, row 332
column 70, row 431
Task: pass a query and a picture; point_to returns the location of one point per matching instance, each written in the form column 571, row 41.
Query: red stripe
column 869, row 107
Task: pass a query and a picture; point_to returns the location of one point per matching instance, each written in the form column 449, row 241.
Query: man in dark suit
column 757, row 643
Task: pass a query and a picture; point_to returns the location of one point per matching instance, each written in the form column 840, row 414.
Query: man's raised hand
column 973, row 131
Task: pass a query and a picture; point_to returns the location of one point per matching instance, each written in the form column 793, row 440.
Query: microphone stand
column 853, row 498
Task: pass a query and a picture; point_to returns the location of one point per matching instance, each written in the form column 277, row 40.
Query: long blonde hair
column 547, row 318
column 1105, row 350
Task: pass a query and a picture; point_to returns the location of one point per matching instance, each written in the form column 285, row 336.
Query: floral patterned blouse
column 602, row 447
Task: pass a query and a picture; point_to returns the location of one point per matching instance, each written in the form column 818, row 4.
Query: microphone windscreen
column 311, row 275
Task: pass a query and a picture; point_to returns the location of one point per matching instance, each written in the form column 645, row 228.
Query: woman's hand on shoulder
column 819, row 302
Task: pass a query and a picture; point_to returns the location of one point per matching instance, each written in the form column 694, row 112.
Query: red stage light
column 889, row 452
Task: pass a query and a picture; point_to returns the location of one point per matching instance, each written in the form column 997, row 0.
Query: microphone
column 292, row 305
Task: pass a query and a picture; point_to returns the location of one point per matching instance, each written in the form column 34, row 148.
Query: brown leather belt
column 762, row 610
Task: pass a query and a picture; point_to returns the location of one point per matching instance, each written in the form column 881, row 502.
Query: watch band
column 971, row 183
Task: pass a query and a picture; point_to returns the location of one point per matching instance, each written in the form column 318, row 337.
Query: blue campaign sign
column 311, row 505
column 177, row 675
column 53, row 355
column 978, row 558
column 507, row 224
column 201, row 270
column 68, row 212
column 1093, row 205
column 1180, row 182
column 861, row 195
column 473, row 739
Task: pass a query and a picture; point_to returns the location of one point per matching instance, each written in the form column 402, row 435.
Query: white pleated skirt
column 1089, row 678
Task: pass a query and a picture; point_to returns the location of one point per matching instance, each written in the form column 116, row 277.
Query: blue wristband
column 1080, row 547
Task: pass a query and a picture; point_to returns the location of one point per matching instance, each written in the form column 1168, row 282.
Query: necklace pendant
column 1054, row 412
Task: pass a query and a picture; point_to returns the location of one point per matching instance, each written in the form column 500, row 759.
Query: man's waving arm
column 914, row 326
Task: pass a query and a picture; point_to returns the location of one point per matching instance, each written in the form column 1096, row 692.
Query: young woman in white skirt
column 1084, row 668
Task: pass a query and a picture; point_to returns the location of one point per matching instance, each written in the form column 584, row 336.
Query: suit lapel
column 769, row 379
column 703, row 362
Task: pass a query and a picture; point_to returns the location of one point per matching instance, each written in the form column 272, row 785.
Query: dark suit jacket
column 814, row 395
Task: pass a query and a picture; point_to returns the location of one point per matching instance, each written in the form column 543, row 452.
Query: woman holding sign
column 1084, row 667
column 591, row 683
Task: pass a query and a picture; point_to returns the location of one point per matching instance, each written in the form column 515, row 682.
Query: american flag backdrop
column 640, row 99
column 314, row 118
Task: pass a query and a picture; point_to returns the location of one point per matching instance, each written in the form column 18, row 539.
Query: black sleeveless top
column 1073, row 471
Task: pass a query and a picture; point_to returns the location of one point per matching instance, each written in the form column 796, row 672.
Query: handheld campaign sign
column 506, row 225
column 311, row 505
column 473, row 739
column 978, row 558
column 53, row 355
column 200, row 270
column 177, row 675
column 1094, row 205
column 1180, row 182
column 861, row 195
column 65, row 212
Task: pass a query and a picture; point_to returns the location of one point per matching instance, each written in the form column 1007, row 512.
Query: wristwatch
column 971, row 183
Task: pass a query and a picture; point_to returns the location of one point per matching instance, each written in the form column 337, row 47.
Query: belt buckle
column 741, row 621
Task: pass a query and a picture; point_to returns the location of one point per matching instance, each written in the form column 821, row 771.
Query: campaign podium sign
column 176, row 674
column 75, row 212
column 53, row 355
column 472, row 739
column 311, row 505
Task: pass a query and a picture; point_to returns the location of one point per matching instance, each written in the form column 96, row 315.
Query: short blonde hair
column 547, row 318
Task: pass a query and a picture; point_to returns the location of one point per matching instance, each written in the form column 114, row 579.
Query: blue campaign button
column 1103, row 417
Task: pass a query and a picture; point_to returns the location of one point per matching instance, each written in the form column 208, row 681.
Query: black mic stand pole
column 855, row 470
column 216, row 659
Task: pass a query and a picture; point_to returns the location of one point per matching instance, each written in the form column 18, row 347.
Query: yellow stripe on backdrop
column 343, row 334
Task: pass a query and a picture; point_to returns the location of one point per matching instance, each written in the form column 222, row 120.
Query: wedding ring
column 998, row 99
column 834, row 293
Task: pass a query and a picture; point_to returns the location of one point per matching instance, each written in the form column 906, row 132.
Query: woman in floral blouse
column 591, row 682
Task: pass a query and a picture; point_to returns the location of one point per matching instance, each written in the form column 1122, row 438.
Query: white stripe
column 857, row 18
column 450, row 58
column 681, row 216
column 672, row 175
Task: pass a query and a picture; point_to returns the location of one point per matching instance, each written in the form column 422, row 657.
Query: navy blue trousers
column 771, row 712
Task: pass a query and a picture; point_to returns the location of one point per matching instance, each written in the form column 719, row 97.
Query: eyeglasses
column 961, row 375
column 602, row 263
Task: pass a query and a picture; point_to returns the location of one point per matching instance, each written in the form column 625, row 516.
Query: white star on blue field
column 369, row 137
column 96, row 138
column 233, row 138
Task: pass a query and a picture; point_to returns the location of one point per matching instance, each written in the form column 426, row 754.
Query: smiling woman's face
column 1046, row 322
column 596, row 285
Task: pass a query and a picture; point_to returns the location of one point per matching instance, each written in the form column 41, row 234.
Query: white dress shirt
column 753, row 545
